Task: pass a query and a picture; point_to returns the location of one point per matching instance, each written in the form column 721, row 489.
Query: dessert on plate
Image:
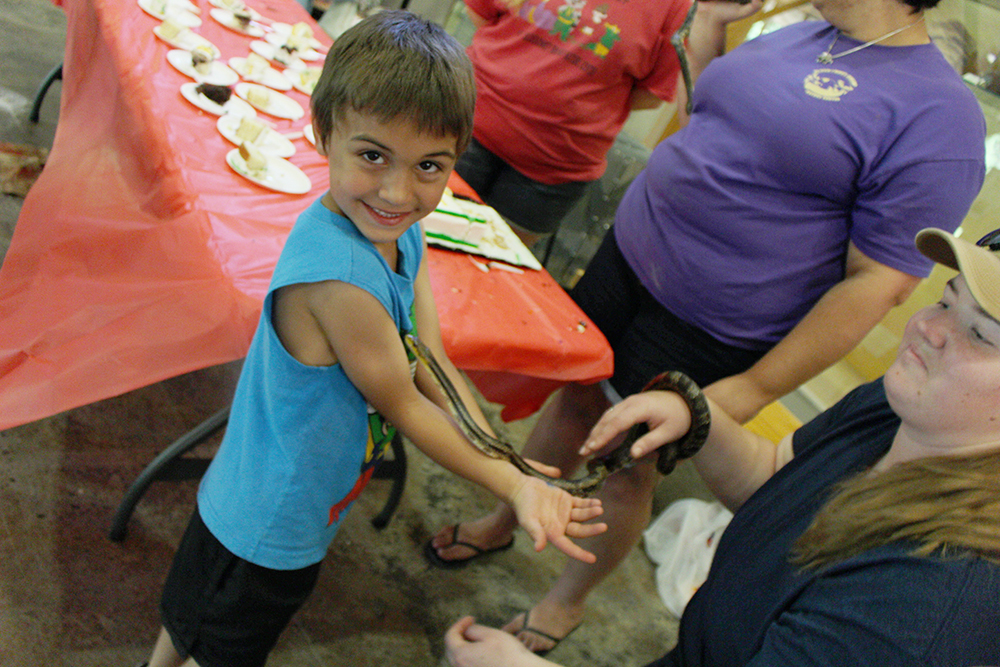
column 457, row 221
column 305, row 80
column 256, row 162
column 218, row 94
column 259, row 97
column 202, row 59
column 250, row 130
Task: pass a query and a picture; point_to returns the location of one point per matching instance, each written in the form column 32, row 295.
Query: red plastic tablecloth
column 139, row 255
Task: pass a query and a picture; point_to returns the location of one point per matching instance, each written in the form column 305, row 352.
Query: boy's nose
column 397, row 188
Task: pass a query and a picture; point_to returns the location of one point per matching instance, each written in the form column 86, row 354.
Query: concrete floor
column 70, row 596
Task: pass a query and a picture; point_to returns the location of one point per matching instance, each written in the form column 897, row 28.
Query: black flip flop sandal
column 431, row 554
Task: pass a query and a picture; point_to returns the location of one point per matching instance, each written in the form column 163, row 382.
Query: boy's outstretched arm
column 428, row 329
column 371, row 352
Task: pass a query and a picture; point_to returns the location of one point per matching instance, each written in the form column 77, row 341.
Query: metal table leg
column 170, row 464
column 52, row 76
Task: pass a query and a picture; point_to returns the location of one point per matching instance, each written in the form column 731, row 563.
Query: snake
column 598, row 469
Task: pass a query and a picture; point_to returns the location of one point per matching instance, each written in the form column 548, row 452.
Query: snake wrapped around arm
column 598, row 468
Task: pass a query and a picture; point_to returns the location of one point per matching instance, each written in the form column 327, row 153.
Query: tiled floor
column 70, row 596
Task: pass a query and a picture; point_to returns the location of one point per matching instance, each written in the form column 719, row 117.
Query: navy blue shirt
column 884, row 607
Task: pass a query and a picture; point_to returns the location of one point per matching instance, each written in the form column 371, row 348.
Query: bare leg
column 165, row 655
column 559, row 433
column 627, row 497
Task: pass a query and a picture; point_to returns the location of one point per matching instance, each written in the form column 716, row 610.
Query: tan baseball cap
column 978, row 264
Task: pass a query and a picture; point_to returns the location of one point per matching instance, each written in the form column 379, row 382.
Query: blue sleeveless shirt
column 302, row 441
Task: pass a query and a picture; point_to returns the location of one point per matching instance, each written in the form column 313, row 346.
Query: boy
column 327, row 369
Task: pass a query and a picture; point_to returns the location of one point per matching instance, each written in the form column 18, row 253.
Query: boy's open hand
column 549, row 514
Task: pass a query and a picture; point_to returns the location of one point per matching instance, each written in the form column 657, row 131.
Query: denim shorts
column 222, row 610
column 648, row 339
column 532, row 206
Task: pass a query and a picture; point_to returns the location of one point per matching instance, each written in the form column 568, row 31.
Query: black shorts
column 534, row 207
column 648, row 339
column 222, row 610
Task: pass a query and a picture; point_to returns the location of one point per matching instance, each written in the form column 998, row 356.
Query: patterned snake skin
column 678, row 39
column 598, row 469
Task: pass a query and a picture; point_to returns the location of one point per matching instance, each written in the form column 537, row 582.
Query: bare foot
column 465, row 541
column 546, row 624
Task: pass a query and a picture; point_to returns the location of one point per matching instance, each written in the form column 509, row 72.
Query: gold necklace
column 826, row 59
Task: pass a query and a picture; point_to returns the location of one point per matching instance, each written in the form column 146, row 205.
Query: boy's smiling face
column 385, row 176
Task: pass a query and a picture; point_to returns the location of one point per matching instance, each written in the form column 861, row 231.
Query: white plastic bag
column 682, row 541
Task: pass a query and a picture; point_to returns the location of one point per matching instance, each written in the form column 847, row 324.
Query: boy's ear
column 320, row 148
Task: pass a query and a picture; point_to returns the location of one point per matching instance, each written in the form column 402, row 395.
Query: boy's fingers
column 536, row 532
column 573, row 550
column 540, row 541
column 582, row 514
column 578, row 530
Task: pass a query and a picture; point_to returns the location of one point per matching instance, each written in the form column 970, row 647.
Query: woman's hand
column 549, row 514
column 665, row 412
column 468, row 644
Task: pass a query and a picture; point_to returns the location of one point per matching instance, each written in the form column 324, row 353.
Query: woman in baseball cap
column 871, row 535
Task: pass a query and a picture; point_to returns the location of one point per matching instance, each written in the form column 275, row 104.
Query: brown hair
column 396, row 65
column 948, row 505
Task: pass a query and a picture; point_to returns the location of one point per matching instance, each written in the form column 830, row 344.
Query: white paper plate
column 278, row 105
column 234, row 106
column 181, row 13
column 270, row 77
column 228, row 20
column 270, row 143
column 186, row 5
column 219, row 74
column 280, row 174
column 233, row 4
column 269, row 51
column 300, row 80
column 309, row 134
column 285, row 29
column 187, row 40
column 276, row 39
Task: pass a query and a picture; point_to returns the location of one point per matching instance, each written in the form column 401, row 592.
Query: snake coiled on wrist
column 599, row 468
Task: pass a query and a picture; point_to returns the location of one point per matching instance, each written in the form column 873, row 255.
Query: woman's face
column 945, row 381
column 867, row 19
column 833, row 10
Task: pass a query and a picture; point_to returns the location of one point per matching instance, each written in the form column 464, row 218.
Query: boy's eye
column 429, row 167
column 373, row 156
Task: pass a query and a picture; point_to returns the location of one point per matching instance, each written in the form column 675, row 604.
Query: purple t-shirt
column 741, row 221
